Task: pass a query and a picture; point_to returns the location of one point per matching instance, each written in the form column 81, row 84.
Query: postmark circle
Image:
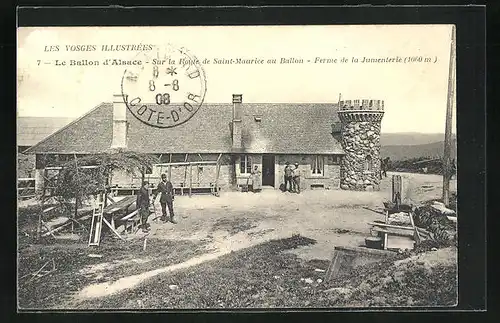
column 166, row 89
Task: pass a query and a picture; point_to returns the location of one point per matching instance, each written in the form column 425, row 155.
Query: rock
column 319, row 270
column 173, row 287
column 92, row 255
column 308, row 280
column 442, row 209
column 341, row 290
column 367, row 182
column 276, row 277
column 369, row 188
column 319, row 280
column 344, row 186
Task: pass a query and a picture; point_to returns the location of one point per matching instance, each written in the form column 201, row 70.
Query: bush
column 77, row 183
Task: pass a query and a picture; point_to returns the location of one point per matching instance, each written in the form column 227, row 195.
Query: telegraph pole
column 449, row 115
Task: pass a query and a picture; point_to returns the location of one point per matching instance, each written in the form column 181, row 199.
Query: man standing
column 166, row 189
column 296, row 178
column 142, row 203
column 288, row 177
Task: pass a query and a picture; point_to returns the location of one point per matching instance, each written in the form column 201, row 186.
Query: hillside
column 410, row 138
column 403, row 152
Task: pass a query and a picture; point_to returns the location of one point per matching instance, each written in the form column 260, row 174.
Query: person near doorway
column 256, row 182
column 166, row 189
column 142, row 203
column 296, row 179
column 288, row 177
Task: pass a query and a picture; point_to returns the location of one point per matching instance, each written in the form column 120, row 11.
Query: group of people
column 292, row 178
column 144, row 201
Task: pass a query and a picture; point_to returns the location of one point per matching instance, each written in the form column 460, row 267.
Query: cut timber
column 417, row 234
column 403, row 228
column 62, row 226
column 68, row 236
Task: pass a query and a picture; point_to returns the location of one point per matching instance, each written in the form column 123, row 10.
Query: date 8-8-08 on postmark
column 165, row 88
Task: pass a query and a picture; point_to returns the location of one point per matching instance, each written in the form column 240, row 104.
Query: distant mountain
column 403, row 152
column 410, row 138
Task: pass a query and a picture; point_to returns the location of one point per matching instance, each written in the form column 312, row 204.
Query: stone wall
column 360, row 167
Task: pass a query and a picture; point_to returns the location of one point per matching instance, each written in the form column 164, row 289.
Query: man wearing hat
column 288, row 177
column 142, row 203
column 166, row 189
column 296, row 179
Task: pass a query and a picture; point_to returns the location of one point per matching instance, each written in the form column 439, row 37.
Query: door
column 268, row 170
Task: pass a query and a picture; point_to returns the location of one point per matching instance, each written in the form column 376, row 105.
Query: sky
column 415, row 94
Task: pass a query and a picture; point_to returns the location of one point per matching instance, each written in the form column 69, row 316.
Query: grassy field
column 264, row 276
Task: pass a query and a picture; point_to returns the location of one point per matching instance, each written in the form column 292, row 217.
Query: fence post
column 397, row 188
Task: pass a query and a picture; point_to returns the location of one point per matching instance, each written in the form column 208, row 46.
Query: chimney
column 119, row 122
column 237, row 99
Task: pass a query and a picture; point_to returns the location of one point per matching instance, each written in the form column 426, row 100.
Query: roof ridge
column 27, row 151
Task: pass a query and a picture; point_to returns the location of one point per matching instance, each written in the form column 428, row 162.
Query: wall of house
column 330, row 179
column 202, row 175
column 255, row 159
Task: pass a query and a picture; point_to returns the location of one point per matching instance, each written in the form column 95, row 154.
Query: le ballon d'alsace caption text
column 114, row 61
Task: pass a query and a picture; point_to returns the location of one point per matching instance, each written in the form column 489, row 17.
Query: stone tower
column 360, row 130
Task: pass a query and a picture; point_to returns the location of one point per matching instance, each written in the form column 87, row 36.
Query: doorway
column 268, row 170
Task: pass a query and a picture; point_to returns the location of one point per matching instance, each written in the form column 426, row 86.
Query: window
column 368, row 163
column 245, row 164
column 335, row 159
column 317, row 165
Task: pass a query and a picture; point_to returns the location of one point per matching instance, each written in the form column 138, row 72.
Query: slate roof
column 31, row 130
column 91, row 133
column 283, row 128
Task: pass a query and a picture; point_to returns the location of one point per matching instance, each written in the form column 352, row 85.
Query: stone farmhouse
column 336, row 145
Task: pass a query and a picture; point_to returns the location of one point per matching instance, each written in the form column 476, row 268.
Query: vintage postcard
column 236, row 167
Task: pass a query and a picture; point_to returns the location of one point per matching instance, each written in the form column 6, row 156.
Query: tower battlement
column 364, row 104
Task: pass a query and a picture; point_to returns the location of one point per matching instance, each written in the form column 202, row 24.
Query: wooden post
column 169, row 172
column 449, row 115
column 217, row 179
column 75, row 215
column 185, row 171
column 397, row 188
column 190, row 178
